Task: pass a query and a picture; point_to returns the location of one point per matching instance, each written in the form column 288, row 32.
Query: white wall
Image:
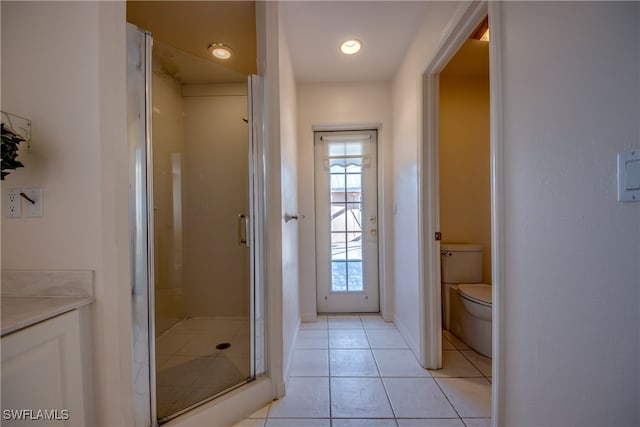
column 572, row 281
column 406, row 99
column 338, row 104
column 74, row 93
column 464, row 163
column 289, row 184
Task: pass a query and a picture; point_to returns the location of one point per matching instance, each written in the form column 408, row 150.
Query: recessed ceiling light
column 220, row 50
column 351, row 46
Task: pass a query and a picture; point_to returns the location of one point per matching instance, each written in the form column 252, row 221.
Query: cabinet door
column 42, row 375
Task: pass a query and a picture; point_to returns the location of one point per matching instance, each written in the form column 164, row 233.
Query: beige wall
column 216, row 267
column 465, row 172
column 59, row 92
column 200, row 268
column 74, row 91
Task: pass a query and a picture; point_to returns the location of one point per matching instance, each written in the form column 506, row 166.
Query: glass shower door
column 193, row 240
column 201, row 202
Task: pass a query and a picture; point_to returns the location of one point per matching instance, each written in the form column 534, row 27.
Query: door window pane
column 339, row 246
column 353, row 218
column 338, row 182
column 338, row 276
column 354, row 276
column 338, row 217
column 354, row 247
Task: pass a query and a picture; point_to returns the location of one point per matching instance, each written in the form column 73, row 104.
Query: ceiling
column 186, row 28
column 314, row 30
column 471, row 60
column 191, row 69
column 182, row 31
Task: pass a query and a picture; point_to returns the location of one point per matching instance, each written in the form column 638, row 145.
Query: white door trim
column 496, row 57
column 466, row 18
column 267, row 26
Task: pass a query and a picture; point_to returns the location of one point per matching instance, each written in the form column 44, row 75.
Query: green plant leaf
column 10, row 145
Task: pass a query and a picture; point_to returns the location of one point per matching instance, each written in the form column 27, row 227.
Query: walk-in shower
column 199, row 329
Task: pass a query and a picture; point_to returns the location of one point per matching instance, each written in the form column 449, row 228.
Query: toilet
column 466, row 301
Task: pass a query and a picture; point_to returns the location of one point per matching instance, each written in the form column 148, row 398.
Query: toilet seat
column 479, row 293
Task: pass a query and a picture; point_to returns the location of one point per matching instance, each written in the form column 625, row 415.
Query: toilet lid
column 478, row 292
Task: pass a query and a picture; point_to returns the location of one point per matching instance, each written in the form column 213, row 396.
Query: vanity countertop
column 32, row 296
column 21, row 312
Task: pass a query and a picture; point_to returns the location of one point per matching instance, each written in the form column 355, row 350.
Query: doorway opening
column 464, row 24
column 346, row 206
column 465, row 183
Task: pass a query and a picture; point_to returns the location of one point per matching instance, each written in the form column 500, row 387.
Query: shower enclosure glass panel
column 193, row 206
column 201, row 200
column 138, row 44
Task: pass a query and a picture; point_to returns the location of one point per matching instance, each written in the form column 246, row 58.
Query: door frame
column 318, row 170
column 465, row 19
column 385, row 293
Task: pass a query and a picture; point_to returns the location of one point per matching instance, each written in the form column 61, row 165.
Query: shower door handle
column 242, row 229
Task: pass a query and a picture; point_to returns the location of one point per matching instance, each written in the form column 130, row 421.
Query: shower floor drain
column 223, row 346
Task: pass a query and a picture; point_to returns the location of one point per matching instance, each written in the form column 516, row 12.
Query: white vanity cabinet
column 46, row 372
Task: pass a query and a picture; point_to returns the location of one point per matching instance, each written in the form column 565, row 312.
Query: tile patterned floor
column 357, row 371
column 191, row 368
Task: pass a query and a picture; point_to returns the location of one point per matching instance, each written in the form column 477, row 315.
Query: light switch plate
column 32, row 210
column 629, row 176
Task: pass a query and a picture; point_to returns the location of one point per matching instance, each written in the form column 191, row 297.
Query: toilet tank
column 461, row 263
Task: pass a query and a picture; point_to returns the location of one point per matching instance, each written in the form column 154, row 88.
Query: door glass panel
column 346, row 220
column 354, row 278
column 339, row 276
column 338, row 215
column 338, row 185
column 202, row 274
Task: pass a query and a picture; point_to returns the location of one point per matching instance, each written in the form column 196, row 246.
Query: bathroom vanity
column 46, row 348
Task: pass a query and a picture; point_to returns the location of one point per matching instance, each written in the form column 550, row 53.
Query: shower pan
column 196, row 232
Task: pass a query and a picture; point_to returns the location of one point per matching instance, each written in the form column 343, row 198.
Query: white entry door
column 346, row 221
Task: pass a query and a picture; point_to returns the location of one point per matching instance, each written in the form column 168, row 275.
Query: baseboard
column 309, row 317
column 280, row 390
column 415, row 347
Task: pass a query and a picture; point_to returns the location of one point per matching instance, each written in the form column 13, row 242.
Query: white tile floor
column 357, row 371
